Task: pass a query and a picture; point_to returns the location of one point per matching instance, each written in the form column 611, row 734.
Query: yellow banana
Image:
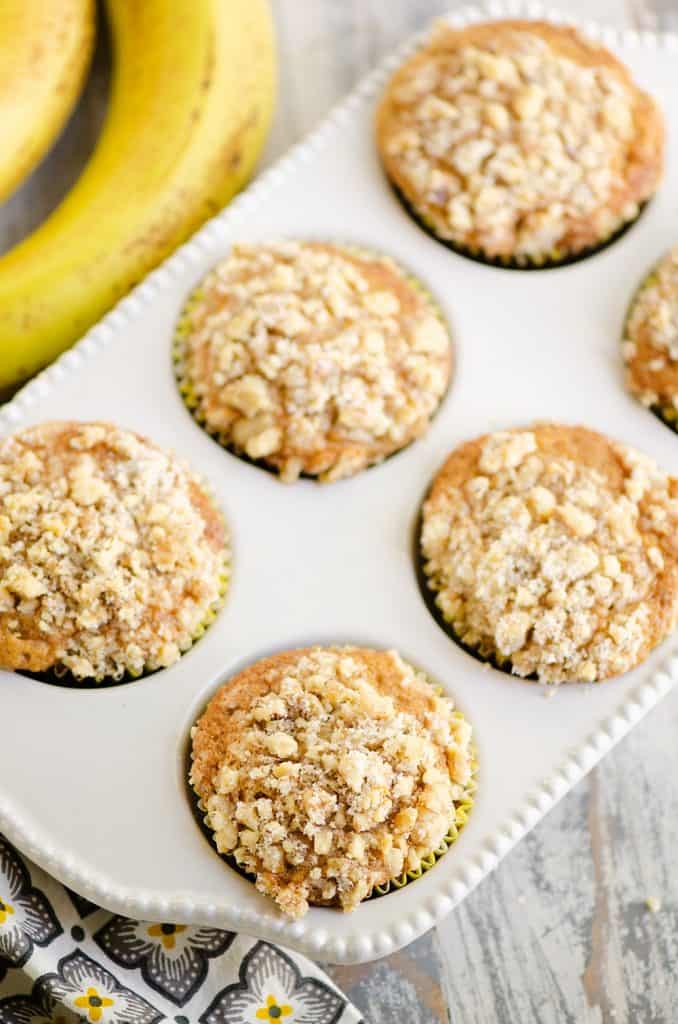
column 45, row 49
column 192, row 96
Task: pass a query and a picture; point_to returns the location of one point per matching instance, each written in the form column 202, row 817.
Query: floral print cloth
column 63, row 960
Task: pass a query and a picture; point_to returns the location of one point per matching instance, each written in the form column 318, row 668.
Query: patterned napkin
column 64, row 960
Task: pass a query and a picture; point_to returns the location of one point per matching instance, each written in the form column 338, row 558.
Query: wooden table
column 560, row 933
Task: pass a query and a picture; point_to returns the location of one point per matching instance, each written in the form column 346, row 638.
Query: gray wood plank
column 406, row 986
column 561, row 932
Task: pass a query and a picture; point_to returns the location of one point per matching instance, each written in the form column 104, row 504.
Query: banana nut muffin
column 651, row 340
column 314, row 358
column 519, row 141
column 328, row 771
column 112, row 556
column 554, row 550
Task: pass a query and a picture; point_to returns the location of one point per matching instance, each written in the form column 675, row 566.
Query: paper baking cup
column 549, row 261
column 187, row 388
column 463, row 808
column 668, row 414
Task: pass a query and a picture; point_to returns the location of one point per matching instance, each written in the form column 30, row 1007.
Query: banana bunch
column 191, row 101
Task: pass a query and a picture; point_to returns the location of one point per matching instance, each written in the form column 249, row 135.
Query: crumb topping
column 314, row 358
column 514, row 139
column 539, row 560
column 327, row 787
column 111, row 556
column 651, row 338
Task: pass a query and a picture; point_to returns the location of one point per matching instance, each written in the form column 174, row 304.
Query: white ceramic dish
column 92, row 782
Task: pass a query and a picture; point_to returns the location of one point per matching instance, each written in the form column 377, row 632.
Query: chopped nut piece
column 263, row 444
column 542, row 501
column 270, row 707
column 23, row 583
column 528, row 102
column 227, row 837
column 581, row 523
column 280, row 744
column 511, row 632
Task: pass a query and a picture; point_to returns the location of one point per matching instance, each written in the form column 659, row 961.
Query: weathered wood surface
column 560, row 933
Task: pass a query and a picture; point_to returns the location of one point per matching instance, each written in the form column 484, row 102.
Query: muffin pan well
column 92, row 782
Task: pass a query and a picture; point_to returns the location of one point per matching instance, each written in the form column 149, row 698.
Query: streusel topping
column 337, row 773
column 651, row 337
column 555, row 550
column 519, row 138
column 313, row 358
column 111, row 554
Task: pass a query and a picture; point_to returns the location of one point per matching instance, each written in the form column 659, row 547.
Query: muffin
column 329, row 771
column 519, row 142
column 312, row 358
column 112, row 556
column 553, row 552
column 651, row 341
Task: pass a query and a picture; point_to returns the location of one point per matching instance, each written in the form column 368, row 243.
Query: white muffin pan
column 92, row 782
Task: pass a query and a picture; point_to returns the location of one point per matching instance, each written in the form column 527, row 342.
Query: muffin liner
column 548, row 261
column 463, row 807
column 668, row 414
column 191, row 401
column 62, row 676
